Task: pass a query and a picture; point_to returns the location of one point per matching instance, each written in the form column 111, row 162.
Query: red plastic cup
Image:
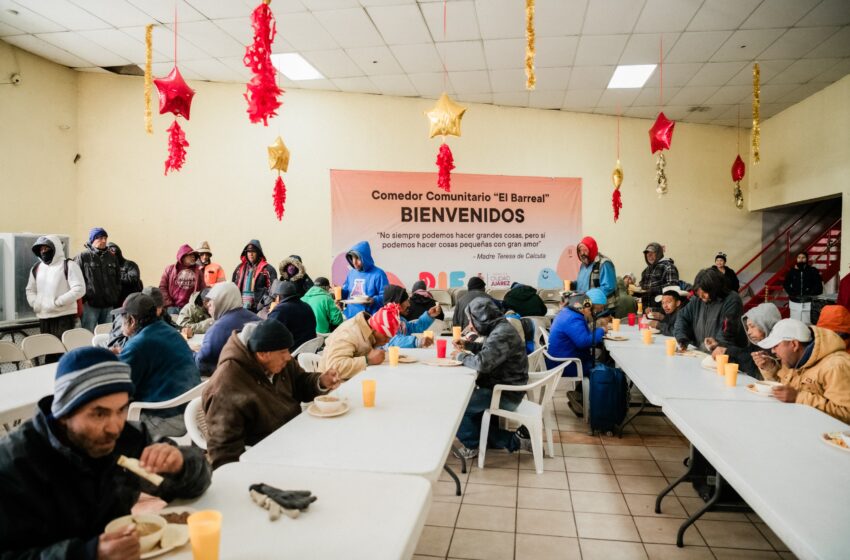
column 632, row 319
column 441, row 347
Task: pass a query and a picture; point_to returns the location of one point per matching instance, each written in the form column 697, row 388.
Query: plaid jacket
column 654, row 277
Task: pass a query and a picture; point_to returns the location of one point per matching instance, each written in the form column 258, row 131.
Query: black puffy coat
column 103, row 277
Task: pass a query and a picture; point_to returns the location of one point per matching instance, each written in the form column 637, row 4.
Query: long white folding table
column 774, row 457
column 20, row 392
column 356, row 514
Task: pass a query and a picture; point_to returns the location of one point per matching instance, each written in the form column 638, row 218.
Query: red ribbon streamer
column 446, row 162
column 279, row 197
column 177, row 145
column 262, row 90
column 617, row 203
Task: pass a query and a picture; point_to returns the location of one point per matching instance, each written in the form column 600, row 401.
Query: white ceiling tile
column 240, row 29
column 650, row 97
column 318, row 5
column 356, row 85
column 305, row 33
column 673, row 74
column 730, row 95
column 542, row 99
column 350, row 28
column 555, row 18
column 163, row 45
column 778, row 13
column 115, row 13
column 552, row 79
column 505, row 80
column 773, row 93
column 212, row 69
column 828, row 12
column 333, row 63
column 430, row 84
column 6, row 29
column 505, row 53
column 608, row 17
column 836, row 72
column 581, row 98
column 475, row 98
column 219, row 9
column 802, row 92
column 118, row 42
column 22, row 18
column 600, row 49
column 768, row 69
column 400, row 25
column 374, row 60
column 804, row 70
column 476, row 81
column 463, row 55
column 555, row 51
column 394, row 84
column 369, row 3
column 772, row 109
column 666, row 16
column 283, row 7
column 697, row 46
column 501, row 19
column 746, row 45
column 162, row 69
column 716, row 15
column 65, row 14
column 837, row 45
column 209, row 38
column 716, row 73
column 320, row 85
column 44, row 49
column 645, row 48
column 163, row 10
column 236, row 64
column 79, row 46
column 692, row 95
column 417, row 59
column 618, row 97
column 511, row 99
column 640, row 112
column 676, row 112
column 797, row 42
column 590, row 77
column 461, row 21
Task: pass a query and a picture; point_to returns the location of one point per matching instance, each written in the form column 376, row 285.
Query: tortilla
column 133, row 466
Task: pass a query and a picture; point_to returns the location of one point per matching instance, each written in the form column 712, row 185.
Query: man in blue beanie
column 60, row 483
column 103, row 280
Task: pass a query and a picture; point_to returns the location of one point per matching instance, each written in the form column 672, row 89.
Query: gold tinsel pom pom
column 148, row 78
column 530, row 80
column 756, row 120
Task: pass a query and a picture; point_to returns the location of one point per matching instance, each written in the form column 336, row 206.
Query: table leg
column 680, row 536
column 628, row 419
column 454, row 477
column 675, row 482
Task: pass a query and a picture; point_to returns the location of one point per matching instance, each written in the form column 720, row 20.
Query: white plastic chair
column 100, row 340
column 39, row 345
column 309, row 362
column 103, row 328
column 549, row 296
column 11, row 354
column 77, row 338
column 134, row 412
column 311, row 346
column 196, row 423
column 528, row 413
column 443, row 297
column 542, row 336
column 572, row 381
column 497, row 293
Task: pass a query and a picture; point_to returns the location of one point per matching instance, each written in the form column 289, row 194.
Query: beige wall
column 223, row 194
column 805, row 153
column 38, row 142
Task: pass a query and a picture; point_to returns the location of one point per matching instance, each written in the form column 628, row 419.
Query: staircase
column 818, row 232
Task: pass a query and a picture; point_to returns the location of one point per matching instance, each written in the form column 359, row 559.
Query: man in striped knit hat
column 355, row 344
column 60, row 483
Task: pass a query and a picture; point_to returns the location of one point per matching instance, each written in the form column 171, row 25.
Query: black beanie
column 475, row 283
column 394, row 294
column 269, row 336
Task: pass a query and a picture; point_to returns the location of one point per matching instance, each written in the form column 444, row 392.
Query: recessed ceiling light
column 295, row 67
column 631, row 76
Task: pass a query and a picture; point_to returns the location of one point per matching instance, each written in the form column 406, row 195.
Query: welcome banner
column 502, row 229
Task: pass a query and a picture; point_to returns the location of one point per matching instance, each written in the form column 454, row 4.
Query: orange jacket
column 837, row 319
column 213, row 274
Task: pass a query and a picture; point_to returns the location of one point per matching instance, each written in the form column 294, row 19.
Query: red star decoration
column 661, row 133
column 175, row 95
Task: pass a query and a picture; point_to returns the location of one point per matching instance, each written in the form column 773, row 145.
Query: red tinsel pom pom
column 279, row 197
column 617, row 203
column 446, row 162
column 177, row 145
column 262, row 89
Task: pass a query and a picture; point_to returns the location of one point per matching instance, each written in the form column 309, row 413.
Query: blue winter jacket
column 368, row 282
column 161, row 365
column 607, row 278
column 217, row 335
column 405, row 338
column 570, row 337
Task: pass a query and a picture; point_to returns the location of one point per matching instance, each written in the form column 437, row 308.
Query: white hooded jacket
column 50, row 294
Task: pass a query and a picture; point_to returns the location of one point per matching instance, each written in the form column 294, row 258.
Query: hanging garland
column 756, row 120
column 661, row 133
column 262, row 90
column 445, row 121
column 148, row 77
column 530, row 78
column 279, row 161
column 177, row 145
column 616, row 198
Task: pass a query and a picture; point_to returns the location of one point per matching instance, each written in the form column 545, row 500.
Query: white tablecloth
column 20, row 391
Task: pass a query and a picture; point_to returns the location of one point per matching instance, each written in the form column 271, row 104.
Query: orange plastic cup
column 670, row 346
column 456, row 332
column 337, row 293
column 647, row 336
column 731, row 371
column 369, row 387
column 205, row 534
column 393, row 355
column 615, row 325
column 566, row 285
column 428, row 334
column 722, row 360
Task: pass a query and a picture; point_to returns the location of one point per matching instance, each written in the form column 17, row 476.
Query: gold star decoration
column 278, row 155
column 445, row 117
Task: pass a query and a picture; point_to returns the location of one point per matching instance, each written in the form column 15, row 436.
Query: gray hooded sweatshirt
column 765, row 316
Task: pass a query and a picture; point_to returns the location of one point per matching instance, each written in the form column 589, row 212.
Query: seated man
column 524, row 300
column 713, row 317
column 475, row 288
column 256, row 389
column 758, row 322
column 356, row 343
column 672, row 299
column 194, row 315
column 626, row 303
column 161, row 361
column 421, row 300
column 319, row 298
column 294, row 314
column 815, row 368
column 405, row 338
column 117, row 338
column 225, row 306
column 837, row 319
column 59, row 478
column 500, row 359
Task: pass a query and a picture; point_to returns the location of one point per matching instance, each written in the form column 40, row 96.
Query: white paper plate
column 835, row 439
column 443, row 362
